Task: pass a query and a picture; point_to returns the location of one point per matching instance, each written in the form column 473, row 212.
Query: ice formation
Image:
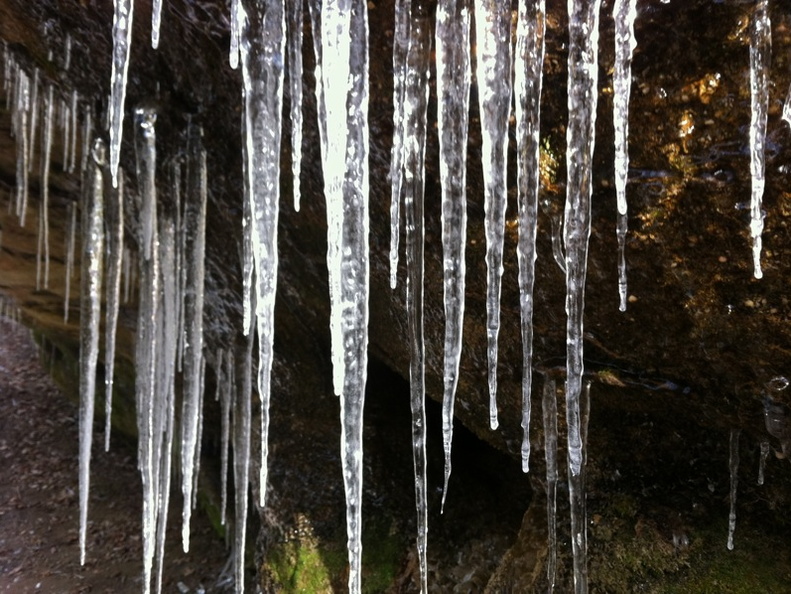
column 733, row 465
column 549, row 407
column 122, row 42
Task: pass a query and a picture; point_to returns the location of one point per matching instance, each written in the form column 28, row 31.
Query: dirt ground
column 39, row 516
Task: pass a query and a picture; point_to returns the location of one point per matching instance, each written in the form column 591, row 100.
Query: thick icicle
column 400, row 46
column 72, row 214
column 156, row 20
column 147, row 349
column 549, row 406
column 580, row 135
column 294, row 29
column 122, row 45
column 453, row 92
column 624, row 12
column 90, row 309
column 577, row 508
column 760, row 55
column 528, row 76
column 493, row 73
column 114, row 227
column 193, row 263
column 762, row 461
column 45, row 166
column 733, row 465
column 262, row 49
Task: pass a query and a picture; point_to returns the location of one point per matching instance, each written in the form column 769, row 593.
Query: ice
column 233, row 55
column 20, row 118
column 493, row 73
column 242, row 389
column 67, row 53
column 33, row 119
column 294, row 30
column 582, row 100
column 760, row 56
column 225, row 372
column 577, row 496
column 45, row 167
column 453, row 92
column 65, row 122
column 400, row 46
column 122, row 42
column 262, row 46
column 193, row 262
column 733, row 465
column 73, row 111
column 70, row 242
column 549, row 406
column 527, row 80
column 762, row 461
column 415, row 107
column 624, row 14
column 114, row 226
column 156, row 20
column 90, row 310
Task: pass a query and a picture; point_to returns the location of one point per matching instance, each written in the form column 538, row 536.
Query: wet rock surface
column 693, row 356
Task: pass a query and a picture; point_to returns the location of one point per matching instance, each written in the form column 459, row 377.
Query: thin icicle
column 453, row 92
column 580, row 138
column 528, row 79
column 415, row 107
column 242, row 391
column 67, row 53
column 193, row 262
column 787, row 107
column 233, row 56
column 90, row 309
column 400, row 46
column 72, row 215
column 156, row 21
column 65, row 122
column 225, row 369
column 760, row 56
column 549, row 406
column 122, row 45
column 114, row 227
column 262, row 46
column 624, row 12
column 577, row 508
column 493, row 73
column 33, row 119
column 762, row 461
column 21, row 109
column 733, row 465
column 73, row 151
column 294, row 29
column 45, row 167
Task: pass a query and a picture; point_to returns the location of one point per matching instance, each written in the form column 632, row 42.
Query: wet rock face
column 701, row 338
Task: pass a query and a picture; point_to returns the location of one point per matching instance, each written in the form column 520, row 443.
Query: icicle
column 248, row 265
column 67, row 54
column 582, row 99
column 21, row 109
column 528, row 77
column 193, row 261
column 760, row 55
column 242, row 391
column 33, row 119
column 127, row 261
column 344, row 38
column 147, row 343
column 579, row 517
column 295, row 79
column 114, row 223
column 65, row 121
column 762, row 461
column 787, row 107
column 45, row 165
column 225, row 368
column 733, row 465
column 262, row 48
column 87, row 130
column 493, row 73
column 624, row 13
column 72, row 214
column 122, row 44
column 90, row 306
column 549, row 406
column 73, row 152
column 233, row 57
column 156, row 20
column 400, row 46
column 453, row 92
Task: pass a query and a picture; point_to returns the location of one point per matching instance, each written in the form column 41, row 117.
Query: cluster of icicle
column 170, row 241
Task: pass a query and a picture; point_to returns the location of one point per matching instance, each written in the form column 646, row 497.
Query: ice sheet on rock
column 114, row 229
column 294, row 30
column 415, row 108
column 122, row 43
column 193, row 263
column 549, row 407
column 262, row 46
column 624, row 14
column 493, row 73
column 760, row 57
column 577, row 496
column 528, row 81
column 580, row 137
column 90, row 310
column 733, row 466
column 453, row 92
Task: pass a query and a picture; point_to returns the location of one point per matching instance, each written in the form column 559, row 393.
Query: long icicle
column 549, row 406
column 733, row 467
column 760, row 55
column 242, row 392
column 294, row 30
column 90, row 309
column 577, row 508
column 46, row 153
column 624, row 12
column 528, row 76
column 156, row 21
column 453, row 92
column 493, row 73
column 122, row 45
